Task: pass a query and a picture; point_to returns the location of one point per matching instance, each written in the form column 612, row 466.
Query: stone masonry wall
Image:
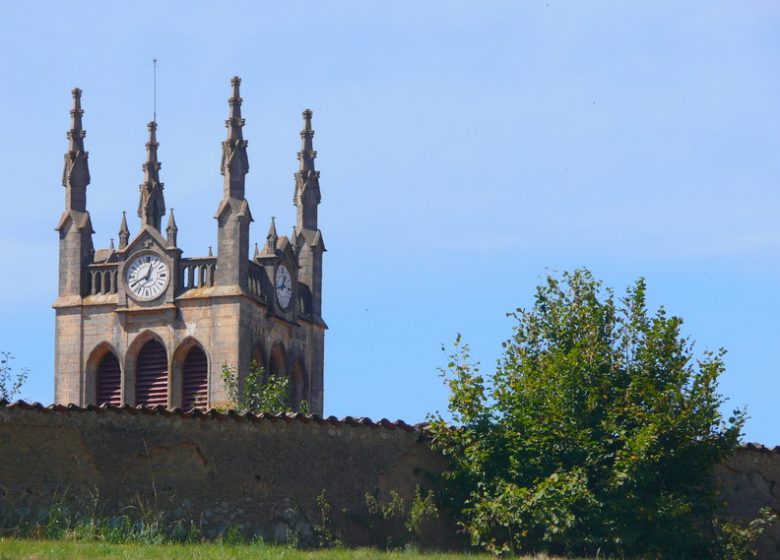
column 261, row 474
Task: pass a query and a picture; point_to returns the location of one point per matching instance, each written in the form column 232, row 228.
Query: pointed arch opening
column 195, row 379
column 277, row 364
column 108, row 385
column 151, row 375
column 103, row 376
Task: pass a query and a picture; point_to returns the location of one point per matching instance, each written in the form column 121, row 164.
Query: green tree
column 257, row 394
column 11, row 381
column 597, row 433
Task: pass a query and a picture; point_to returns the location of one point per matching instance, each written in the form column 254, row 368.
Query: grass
column 47, row 549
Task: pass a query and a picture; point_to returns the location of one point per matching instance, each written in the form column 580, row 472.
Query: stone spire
column 171, row 230
column 75, row 225
column 75, row 173
column 307, row 179
column 151, row 204
column 235, row 163
column 124, row 233
column 307, row 237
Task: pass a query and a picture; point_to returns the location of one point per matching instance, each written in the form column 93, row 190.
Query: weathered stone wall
column 259, row 474
column 749, row 481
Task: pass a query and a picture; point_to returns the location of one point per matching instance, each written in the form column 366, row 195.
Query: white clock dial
column 147, row 277
column 283, row 285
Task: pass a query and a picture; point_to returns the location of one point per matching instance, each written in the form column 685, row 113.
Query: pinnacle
column 124, row 232
column 272, row 229
column 171, row 222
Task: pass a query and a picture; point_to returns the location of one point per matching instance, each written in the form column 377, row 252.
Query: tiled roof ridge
column 219, row 415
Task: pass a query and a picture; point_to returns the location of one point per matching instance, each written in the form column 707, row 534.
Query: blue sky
column 466, row 148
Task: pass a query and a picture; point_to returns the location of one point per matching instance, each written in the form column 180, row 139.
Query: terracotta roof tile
column 214, row 414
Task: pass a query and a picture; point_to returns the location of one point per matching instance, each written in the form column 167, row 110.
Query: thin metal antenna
column 154, row 63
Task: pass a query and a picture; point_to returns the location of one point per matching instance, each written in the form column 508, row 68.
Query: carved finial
column 210, row 254
column 307, row 154
column 257, row 251
column 151, row 204
column 124, row 233
column 111, row 244
column 234, row 121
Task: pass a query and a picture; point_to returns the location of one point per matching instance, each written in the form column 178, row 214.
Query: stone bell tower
column 141, row 324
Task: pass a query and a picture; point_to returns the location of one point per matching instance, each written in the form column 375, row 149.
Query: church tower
column 141, row 324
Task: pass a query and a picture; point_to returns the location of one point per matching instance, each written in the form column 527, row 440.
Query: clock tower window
column 109, row 381
column 195, row 379
column 151, row 374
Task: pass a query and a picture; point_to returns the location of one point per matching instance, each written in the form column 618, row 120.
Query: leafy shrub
column 256, row 393
column 11, row 381
column 596, row 434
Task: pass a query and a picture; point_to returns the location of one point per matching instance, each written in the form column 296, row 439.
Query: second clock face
column 147, row 277
column 283, row 286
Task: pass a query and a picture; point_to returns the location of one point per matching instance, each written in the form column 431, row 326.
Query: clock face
column 147, row 277
column 283, row 286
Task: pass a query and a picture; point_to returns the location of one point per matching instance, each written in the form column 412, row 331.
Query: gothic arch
column 277, row 361
column 190, row 375
column 103, row 380
column 147, row 367
column 299, row 389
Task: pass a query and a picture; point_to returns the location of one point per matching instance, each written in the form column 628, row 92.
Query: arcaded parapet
column 260, row 474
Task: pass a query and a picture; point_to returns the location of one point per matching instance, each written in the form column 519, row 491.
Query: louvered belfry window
column 109, row 380
column 195, row 379
column 151, row 374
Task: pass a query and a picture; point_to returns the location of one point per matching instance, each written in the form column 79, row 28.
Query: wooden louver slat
column 152, row 375
column 195, row 380
column 109, row 381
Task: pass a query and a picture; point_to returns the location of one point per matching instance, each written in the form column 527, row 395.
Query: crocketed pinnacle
column 151, row 204
column 235, row 163
column 124, row 232
column 171, row 230
column 307, row 179
column 75, row 173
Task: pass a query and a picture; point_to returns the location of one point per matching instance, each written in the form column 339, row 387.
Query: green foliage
column 388, row 510
column 11, row 382
column 737, row 541
column 597, row 433
column 423, row 509
column 392, row 527
column 323, row 533
column 257, row 394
